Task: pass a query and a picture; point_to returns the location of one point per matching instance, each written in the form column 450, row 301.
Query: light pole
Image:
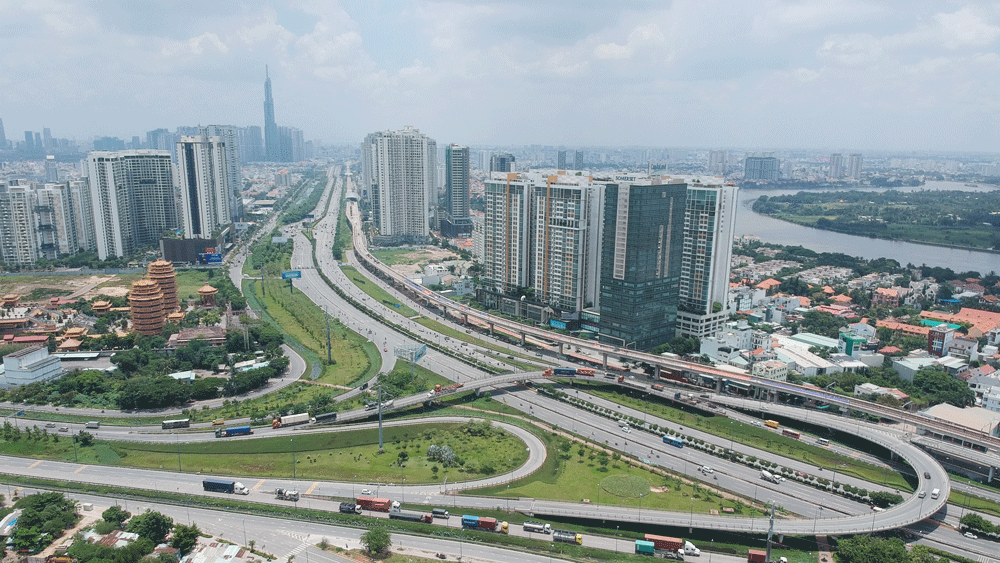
column 816, row 521
column 616, row 538
column 711, row 550
column 245, row 532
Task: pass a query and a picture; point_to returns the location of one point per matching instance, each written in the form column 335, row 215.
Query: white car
column 626, row 430
column 971, row 535
column 707, row 470
column 367, row 492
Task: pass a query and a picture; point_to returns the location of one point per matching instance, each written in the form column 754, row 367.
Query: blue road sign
column 291, row 274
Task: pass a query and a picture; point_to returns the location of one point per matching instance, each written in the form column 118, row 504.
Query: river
column 776, row 231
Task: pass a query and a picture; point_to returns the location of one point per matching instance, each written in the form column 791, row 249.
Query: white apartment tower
column 709, row 228
column 399, row 170
column 854, row 166
column 204, row 175
column 18, row 239
column 56, row 220
column 506, row 234
column 231, row 138
column 83, row 213
column 132, row 199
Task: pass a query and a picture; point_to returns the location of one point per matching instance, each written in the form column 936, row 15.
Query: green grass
column 972, row 502
column 395, row 256
column 463, row 337
column 377, row 293
column 190, row 281
column 761, row 438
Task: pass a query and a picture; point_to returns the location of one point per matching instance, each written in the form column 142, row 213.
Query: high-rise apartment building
column 83, row 214
column 132, row 198
column 456, row 221
column 253, row 143
column 3, row 136
column 399, row 171
column 717, row 162
column 291, row 144
column 51, row 170
column 760, row 168
column 854, row 166
column 272, row 145
column 566, row 241
column 561, row 160
column 642, row 248
column 836, row 169
column 709, row 228
column 55, row 220
column 18, row 237
column 29, row 142
column 202, row 167
column 47, row 138
column 503, row 162
column 230, row 136
column 506, row 234
column 578, row 161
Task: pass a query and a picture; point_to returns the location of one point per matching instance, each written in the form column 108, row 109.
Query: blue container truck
column 233, row 431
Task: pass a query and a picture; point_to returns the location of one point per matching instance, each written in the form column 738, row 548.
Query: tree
column 376, row 539
column 151, row 525
column 185, row 537
column 864, row 549
column 116, row 515
column 939, row 387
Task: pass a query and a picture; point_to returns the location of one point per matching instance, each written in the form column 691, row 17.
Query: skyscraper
column 29, row 142
column 836, row 165
column 561, row 160
column 578, row 161
column 506, row 234
column 503, row 162
column 230, row 137
column 3, row 137
column 47, row 138
column 56, row 220
column 456, row 222
column 272, row 145
column 204, row 184
column 399, row 171
column 51, row 170
column 642, row 246
column 132, row 198
column 18, row 238
column 760, row 168
column 253, row 142
column 709, row 228
column 717, row 162
column 854, row 166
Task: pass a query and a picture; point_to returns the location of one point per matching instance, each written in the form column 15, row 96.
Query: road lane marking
column 34, row 465
column 312, row 488
column 259, row 483
column 82, row 467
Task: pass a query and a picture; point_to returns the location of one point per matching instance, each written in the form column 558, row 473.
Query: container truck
column 411, row 516
column 756, row 556
column 233, row 431
column 375, row 504
column 673, row 544
column 292, row 420
column 225, row 486
column 567, row 536
column 643, row 547
column 440, row 513
column 439, row 390
column 286, row 494
column 94, row 424
column 484, row 523
column 537, row 527
column 561, row 371
column 350, row 508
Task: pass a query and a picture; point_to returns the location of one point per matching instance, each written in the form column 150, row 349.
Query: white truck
column 690, row 549
column 537, row 527
column 768, row 476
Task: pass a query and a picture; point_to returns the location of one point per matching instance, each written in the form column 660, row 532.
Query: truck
column 756, row 556
column 350, row 508
column 94, row 424
column 326, row 417
column 440, row 513
column 411, row 516
column 484, row 523
column 224, row 486
column 768, row 476
column 537, row 527
column 439, row 390
column 935, row 493
column 566, row 536
column 286, row 494
column 233, row 431
column 560, row 371
column 292, row 420
column 643, row 547
column 375, row 504
column 772, row 424
column 663, row 543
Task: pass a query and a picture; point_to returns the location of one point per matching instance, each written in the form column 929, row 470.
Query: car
column 50, row 425
column 64, row 428
column 927, row 475
column 626, row 430
column 367, row 492
column 971, row 535
column 430, row 394
column 707, row 470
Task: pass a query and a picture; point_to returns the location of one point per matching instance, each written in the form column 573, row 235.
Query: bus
column 677, row 442
column 178, row 423
column 823, row 441
column 772, row 423
column 791, row 433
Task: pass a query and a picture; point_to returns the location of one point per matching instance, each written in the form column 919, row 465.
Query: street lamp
column 245, row 532
column 616, row 538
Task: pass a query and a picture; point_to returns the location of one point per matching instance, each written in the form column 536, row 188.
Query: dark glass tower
column 642, row 246
column 272, row 145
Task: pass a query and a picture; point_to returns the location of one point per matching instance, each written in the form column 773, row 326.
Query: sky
column 842, row 74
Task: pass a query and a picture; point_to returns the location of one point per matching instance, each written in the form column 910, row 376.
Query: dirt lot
column 408, row 262
column 68, row 287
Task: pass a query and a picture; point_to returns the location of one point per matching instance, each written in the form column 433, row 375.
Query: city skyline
column 850, row 77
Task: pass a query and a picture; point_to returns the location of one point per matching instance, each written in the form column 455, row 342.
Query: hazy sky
column 840, row 74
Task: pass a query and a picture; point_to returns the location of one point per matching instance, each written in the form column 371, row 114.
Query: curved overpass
column 912, row 510
column 974, row 440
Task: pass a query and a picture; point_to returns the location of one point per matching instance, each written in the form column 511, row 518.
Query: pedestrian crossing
column 986, row 559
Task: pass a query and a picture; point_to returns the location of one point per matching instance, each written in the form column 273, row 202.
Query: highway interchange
column 838, row 515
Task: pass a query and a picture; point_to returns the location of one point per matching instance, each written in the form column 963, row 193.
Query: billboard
column 210, row 258
column 291, row 274
column 557, row 324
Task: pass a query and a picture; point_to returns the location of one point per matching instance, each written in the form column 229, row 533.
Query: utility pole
column 380, row 444
column 262, row 292
column 329, row 357
column 770, row 532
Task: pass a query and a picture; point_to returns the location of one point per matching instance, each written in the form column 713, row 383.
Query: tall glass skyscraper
column 272, row 145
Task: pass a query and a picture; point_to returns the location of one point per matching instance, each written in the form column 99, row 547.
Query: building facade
column 272, row 145
column 399, row 177
column 29, row 365
column 231, row 137
column 642, row 248
column 854, row 166
column 709, row 228
column 760, row 168
column 456, row 221
column 204, row 175
column 132, row 199
column 506, row 235
column 18, row 238
column 503, row 162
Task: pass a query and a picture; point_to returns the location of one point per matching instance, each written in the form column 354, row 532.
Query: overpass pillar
column 444, row 308
column 465, row 318
column 656, row 372
column 491, row 329
column 718, row 386
column 990, row 480
column 604, row 360
column 524, row 340
column 560, row 348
